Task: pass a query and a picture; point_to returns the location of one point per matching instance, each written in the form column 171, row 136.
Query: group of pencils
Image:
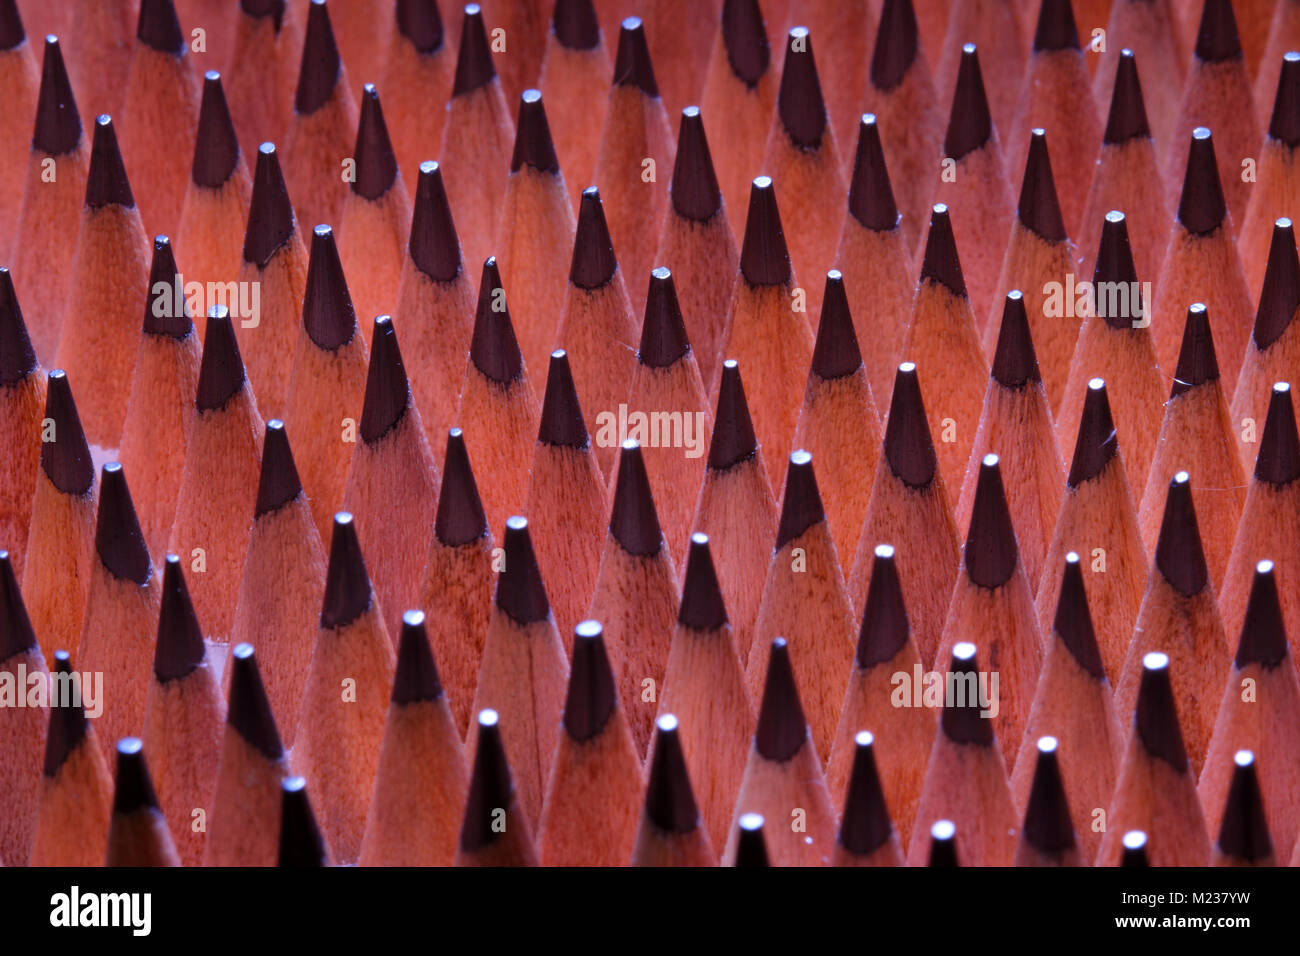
column 911, row 477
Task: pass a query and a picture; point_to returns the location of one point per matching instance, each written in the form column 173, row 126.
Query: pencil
column 943, row 845
column 672, row 831
column 1276, row 186
column 495, row 831
column 1134, row 849
column 22, row 728
column 22, row 400
column 302, row 844
column 866, row 836
column 999, row 27
column 751, row 846
column 263, row 69
column 137, row 834
column 99, row 50
column 1244, row 838
column 680, row 34
column 576, row 62
column 1147, row 28
column 1047, row 837
column 360, row 24
column 419, row 70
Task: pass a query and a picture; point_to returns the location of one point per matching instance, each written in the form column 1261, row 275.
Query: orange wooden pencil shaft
column 22, row 400
column 1277, row 188
column 100, row 40
column 1047, row 837
column 1243, row 836
column 866, row 836
column 19, row 84
column 263, row 68
column 138, row 834
column 1146, row 27
column 22, row 727
column 495, row 830
column 576, row 61
column 672, row 831
column 999, row 27
column 418, row 72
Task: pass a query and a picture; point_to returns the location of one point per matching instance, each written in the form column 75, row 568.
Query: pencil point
column 1097, row 442
column 1244, row 832
column 1156, row 717
column 1178, row 549
column 278, row 483
column 961, row 718
column 11, row 25
column 633, row 521
column 801, row 505
column 460, row 519
column 1284, row 126
column 1201, row 208
column 865, row 825
column 376, row 161
column 67, row 720
column 493, row 348
column 733, row 439
column 533, row 144
column 250, row 709
column 943, row 844
column 799, row 101
column 1278, row 461
column 591, row 697
column 836, row 352
column 1128, row 113
column 221, row 373
column 1263, row 634
column 474, row 67
column 1048, row 827
column 132, row 785
column 782, row 727
column 990, row 553
column 562, row 423
column 434, row 245
column 160, row 313
column 1135, row 849
column 520, row 591
column 491, row 789
column 106, row 182
column 216, row 147
column 159, row 28
column 270, row 214
column 388, row 393
column 420, row 22
column 180, row 639
column 885, row 626
column 908, row 446
column 259, row 9
column 1055, row 29
column 416, row 678
column 320, row 67
column 764, row 258
column 871, row 197
column 1115, row 265
column 1014, row 362
column 327, row 312
column 66, row 459
column 1279, row 298
column 751, row 848
column 1197, row 363
column 347, row 584
column 575, row 24
column 632, row 66
column 1217, row 38
column 1073, row 622
column 896, row 44
column 702, row 606
column 694, row 186
column 58, row 124
column 16, row 634
column 663, row 333
column 17, row 357
column 669, row 803
column 119, row 541
column 940, row 263
column 593, row 263
column 1040, row 211
column 301, row 843
column 970, row 125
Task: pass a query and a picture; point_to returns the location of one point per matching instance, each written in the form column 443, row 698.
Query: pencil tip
column 1128, row 113
column 259, row 9
column 1179, row 556
column 1263, row 635
column 388, row 393
column 301, row 842
column 67, row 719
column 460, row 520
column 319, row 71
column 1040, row 210
column 764, row 257
column 961, row 718
column 421, row 23
column 1201, row 208
column 11, row 25
column 702, row 606
column 1055, row 29
column 591, row 698
column 896, row 46
column 836, row 353
column 249, row 712
column 416, row 678
column 1097, row 442
column 782, row 727
column 17, row 357
column 16, row 634
column 180, row 639
column 1135, row 849
column 970, row 125
column 1073, row 622
column 520, row 591
column 491, row 789
column 593, row 264
column 694, row 185
column 119, row 541
column 576, row 25
column 1197, row 363
column 221, row 371
column 751, row 848
column 106, row 182
column 1014, row 362
column 1284, row 126
column 1243, row 833
column 801, row 505
column 562, row 423
column 66, row 459
column 733, row 439
column 871, row 197
column 1048, row 827
column 744, row 36
column 376, row 162
column 132, row 785
column 216, row 147
column 533, row 144
column 278, row 483
column 1115, row 265
column 885, row 626
column 940, row 263
column 434, row 245
column 633, row 521
column 327, row 312
column 161, row 317
column 909, row 450
column 865, row 825
column 347, row 584
column 1217, row 38
column 58, row 124
column 159, row 28
column 270, row 214
column 632, row 66
column 991, row 553
column 493, row 349
column 1156, row 717
column 663, row 332
column 1279, row 298
column 943, row 844
column 1278, row 461
column 474, row 68
column 669, row 802
column 799, row 102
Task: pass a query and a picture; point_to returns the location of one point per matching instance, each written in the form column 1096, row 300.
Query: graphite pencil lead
column 782, row 727
column 632, row 66
column 591, row 696
column 669, row 801
column 1201, row 208
column 388, row 393
column 421, row 23
column 1244, row 833
column 16, row 634
column 970, row 125
column 576, row 25
column 1073, row 622
column 943, row 844
column 460, row 518
column 1179, row 555
column 562, row 422
column 663, row 333
column 885, row 626
column 633, row 521
column 270, row 214
column 221, row 374
column 940, row 262
column 119, row 542
column 1197, row 363
column 301, row 843
column 871, row 197
column 327, row 311
column 1284, row 126
column 799, row 101
column 180, row 639
column 1128, row 113
column 278, row 483
column 493, row 349
column 1056, row 29
column 1263, row 635
column 695, row 191
column 434, row 245
column 66, row 460
column 1040, row 210
column 991, row 553
column 11, row 25
column 216, row 146
column 319, row 71
column 376, row 161
column 744, row 36
column 836, row 353
column 249, row 712
column 961, row 720
column 1279, row 296
column 164, row 320
column 1135, row 849
column 1217, row 39
column 702, row 606
column 106, row 182
column 67, row 722
column 474, row 67
column 1097, row 442
column 1014, row 361
column 593, row 263
column 520, row 590
column 17, row 357
column 751, row 848
column 58, row 124
column 491, row 788
column 416, row 678
column 133, row 787
column 733, row 439
column 1278, row 462
column 801, row 505
column 159, row 27
column 1048, row 828
column 909, row 448
column 1115, row 264
column 1156, row 716
column 896, row 44
column 264, row 8
column 764, row 257
column 865, row 825
column 347, row 584
column 533, row 144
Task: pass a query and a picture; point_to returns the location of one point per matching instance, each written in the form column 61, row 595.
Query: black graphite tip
column 1244, row 832
column 1179, row 555
column 632, row 66
column 764, row 257
column 327, row 312
column 744, row 36
column 871, row 197
column 1015, row 364
column 106, row 182
column 782, row 727
column 885, row 626
column 970, row 125
column 58, row 124
column 908, row 446
column 249, row 712
column 591, row 697
column 1279, row 298
column 301, row 842
column 1263, row 635
column 216, row 146
column 1097, row 442
column 493, row 348
column 1115, row 266
column 132, row 786
column 1201, row 208
column 663, row 332
column 347, row 585
column 733, row 439
column 1278, row 461
column 1128, row 113
column 633, row 520
column 751, row 848
column 1197, row 363
column 669, row 802
column 702, row 605
column 11, row 25
column 1048, row 827
column 593, row 264
column 940, row 263
column 533, row 144
column 67, row 721
column 261, row 9
column 799, row 102
column 961, row 720
column 943, row 845
column 474, row 69
column 865, row 826
column 221, row 372
column 836, row 353
column 65, row 457
column 180, row 639
column 388, row 393
column 416, row 678
column 319, row 71
column 1039, row 210
column 1285, row 123
column 520, row 591
column 16, row 634
column 896, row 44
column 460, row 520
column 576, row 25
column 278, row 483
column 17, row 357
column 270, row 214
column 1217, row 39
column 801, row 506
column 421, row 23
column 434, row 245
column 1134, row 853
column 161, row 316
column 991, row 554
column 491, row 789
column 1156, row 717
column 376, row 161
column 159, row 28
column 1055, row 29
column 119, row 541
column 694, row 186
column 1073, row 622
column 562, row 425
